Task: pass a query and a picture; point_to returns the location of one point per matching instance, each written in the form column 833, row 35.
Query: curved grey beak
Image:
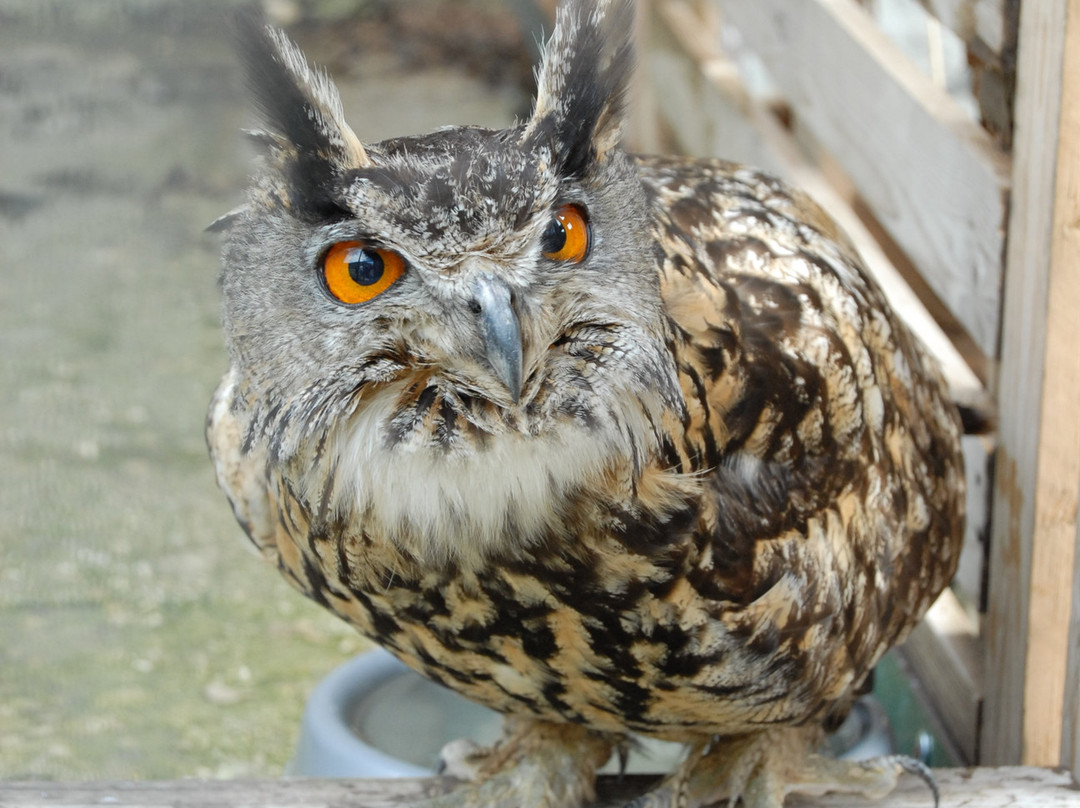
column 500, row 330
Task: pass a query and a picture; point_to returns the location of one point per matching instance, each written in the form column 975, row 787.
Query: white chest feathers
column 462, row 506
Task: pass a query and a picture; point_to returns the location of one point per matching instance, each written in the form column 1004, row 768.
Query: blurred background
column 138, row 636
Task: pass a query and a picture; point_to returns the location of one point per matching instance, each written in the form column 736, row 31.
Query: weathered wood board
column 1070, row 745
column 1038, row 465
column 972, row 788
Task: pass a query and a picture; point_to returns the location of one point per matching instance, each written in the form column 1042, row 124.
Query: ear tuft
column 301, row 109
column 582, row 84
column 297, row 101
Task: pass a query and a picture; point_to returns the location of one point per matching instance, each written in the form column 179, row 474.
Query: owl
column 611, row 444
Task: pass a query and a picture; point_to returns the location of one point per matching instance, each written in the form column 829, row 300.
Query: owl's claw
column 537, row 764
column 920, row 770
column 622, row 752
column 461, row 759
column 762, row 769
column 873, row 778
column 527, row 783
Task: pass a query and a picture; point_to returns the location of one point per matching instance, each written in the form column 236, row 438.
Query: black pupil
column 365, row 266
column 554, row 238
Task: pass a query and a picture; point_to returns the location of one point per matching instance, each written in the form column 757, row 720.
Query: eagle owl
column 611, row 444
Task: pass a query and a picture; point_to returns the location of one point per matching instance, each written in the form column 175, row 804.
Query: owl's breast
column 489, row 488
column 621, row 613
column 594, row 631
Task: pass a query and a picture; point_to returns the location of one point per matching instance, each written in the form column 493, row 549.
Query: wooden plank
column 946, row 655
column 973, row 788
column 982, row 20
column 1038, row 464
column 1059, row 449
column 1070, row 746
column 935, row 180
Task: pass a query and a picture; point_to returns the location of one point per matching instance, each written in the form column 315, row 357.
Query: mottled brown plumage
column 692, row 485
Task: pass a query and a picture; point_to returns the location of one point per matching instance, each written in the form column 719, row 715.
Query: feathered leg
column 535, row 763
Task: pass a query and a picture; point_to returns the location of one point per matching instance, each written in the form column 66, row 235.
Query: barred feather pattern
column 790, row 519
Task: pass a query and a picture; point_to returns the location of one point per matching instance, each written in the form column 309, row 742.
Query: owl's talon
column 535, row 763
column 760, row 770
column 623, row 753
column 922, row 771
column 460, row 759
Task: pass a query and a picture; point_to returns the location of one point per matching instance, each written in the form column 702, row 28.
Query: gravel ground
column 138, row 637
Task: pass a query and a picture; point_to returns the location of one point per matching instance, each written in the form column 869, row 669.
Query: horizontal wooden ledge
column 973, row 788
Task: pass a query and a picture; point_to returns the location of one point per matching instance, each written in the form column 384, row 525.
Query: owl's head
column 448, row 333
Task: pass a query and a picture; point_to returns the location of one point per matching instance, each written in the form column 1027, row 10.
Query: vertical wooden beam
column 1038, row 462
column 1070, row 188
column 1054, row 546
column 1070, row 743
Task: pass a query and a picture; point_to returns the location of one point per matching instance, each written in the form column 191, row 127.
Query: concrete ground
column 138, row 636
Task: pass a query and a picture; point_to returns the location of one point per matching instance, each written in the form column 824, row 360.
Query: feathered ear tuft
column 300, row 107
column 582, row 85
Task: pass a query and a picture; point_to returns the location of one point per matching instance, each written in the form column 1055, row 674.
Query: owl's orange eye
column 356, row 273
column 567, row 237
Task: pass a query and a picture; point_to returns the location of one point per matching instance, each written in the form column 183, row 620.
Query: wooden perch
column 972, row 788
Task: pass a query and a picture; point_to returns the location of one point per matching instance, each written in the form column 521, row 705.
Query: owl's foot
column 763, row 769
column 535, row 764
column 873, row 778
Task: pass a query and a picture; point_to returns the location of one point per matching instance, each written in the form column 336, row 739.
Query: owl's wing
column 827, row 438
column 262, row 502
